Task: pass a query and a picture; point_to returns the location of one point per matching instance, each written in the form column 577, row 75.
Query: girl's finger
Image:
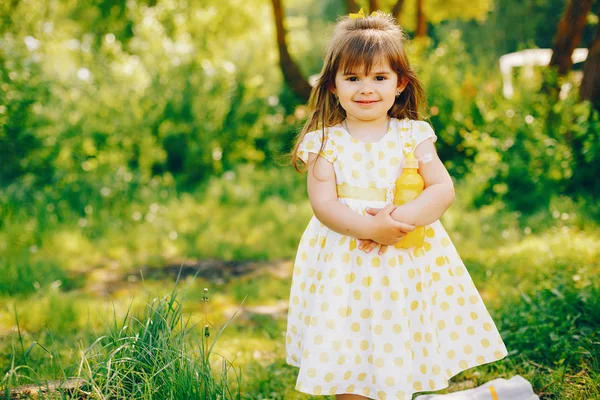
column 372, row 211
column 371, row 246
column 366, row 245
column 383, row 249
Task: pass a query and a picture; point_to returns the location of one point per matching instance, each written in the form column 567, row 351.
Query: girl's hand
column 386, row 230
column 367, row 244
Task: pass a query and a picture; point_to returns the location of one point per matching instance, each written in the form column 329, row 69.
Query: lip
column 366, row 102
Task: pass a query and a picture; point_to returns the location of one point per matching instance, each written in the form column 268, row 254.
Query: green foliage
column 437, row 11
column 531, row 144
column 157, row 354
column 177, row 105
column 183, row 107
column 25, row 275
column 142, row 133
column 509, row 26
column 543, row 149
column 148, row 356
column 452, row 79
column 259, row 290
column 267, row 382
column 43, row 242
column 555, row 326
column 256, row 204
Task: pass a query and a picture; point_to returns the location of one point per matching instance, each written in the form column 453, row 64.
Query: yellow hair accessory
column 360, row 14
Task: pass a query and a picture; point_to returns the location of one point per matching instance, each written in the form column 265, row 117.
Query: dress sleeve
column 423, row 131
column 311, row 143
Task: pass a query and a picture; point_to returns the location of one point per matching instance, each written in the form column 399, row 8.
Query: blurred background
column 145, row 140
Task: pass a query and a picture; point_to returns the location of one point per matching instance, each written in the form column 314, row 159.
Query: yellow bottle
column 408, row 186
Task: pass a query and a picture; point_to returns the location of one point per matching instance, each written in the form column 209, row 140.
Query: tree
column 373, row 6
column 397, row 9
column 569, row 33
column 352, row 6
column 421, row 20
column 291, row 72
column 417, row 15
column 590, row 85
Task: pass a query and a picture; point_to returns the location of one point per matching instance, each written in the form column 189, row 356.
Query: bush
column 157, row 354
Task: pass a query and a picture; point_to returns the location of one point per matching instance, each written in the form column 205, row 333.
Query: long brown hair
column 360, row 43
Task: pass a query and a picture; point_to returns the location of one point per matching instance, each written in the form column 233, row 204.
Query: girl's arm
column 431, row 203
column 340, row 218
column 438, row 194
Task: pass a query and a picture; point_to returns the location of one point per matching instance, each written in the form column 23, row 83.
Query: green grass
column 152, row 353
column 153, row 229
column 538, row 274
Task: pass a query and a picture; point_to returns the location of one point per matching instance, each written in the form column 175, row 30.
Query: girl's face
column 368, row 97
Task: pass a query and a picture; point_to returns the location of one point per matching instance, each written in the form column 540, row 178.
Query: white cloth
column 516, row 388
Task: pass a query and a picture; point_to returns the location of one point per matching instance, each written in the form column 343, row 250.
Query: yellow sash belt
column 361, row 193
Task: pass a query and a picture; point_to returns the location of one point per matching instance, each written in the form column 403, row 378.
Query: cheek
column 339, row 83
column 346, row 96
column 343, row 87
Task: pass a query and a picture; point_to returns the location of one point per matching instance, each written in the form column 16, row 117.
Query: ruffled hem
column 386, row 393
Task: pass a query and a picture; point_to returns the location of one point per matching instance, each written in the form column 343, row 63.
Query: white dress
column 384, row 326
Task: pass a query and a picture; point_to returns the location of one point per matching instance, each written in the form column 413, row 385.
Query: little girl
column 377, row 324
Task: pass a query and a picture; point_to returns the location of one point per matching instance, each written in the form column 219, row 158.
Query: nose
column 366, row 88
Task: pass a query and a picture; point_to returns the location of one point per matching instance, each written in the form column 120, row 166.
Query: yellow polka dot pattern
column 384, row 326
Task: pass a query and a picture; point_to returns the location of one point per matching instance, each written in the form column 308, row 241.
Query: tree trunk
column 373, row 6
column 352, row 6
column 569, row 33
column 291, row 73
column 421, row 20
column 590, row 85
column 397, row 9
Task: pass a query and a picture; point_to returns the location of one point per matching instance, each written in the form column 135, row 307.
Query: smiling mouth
column 366, row 102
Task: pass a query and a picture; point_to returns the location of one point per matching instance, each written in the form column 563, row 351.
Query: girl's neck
column 369, row 131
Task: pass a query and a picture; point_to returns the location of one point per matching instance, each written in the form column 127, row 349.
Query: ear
column 402, row 83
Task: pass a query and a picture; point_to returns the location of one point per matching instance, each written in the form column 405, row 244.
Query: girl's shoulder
column 415, row 126
column 328, row 131
column 312, row 142
column 330, row 134
column 414, row 131
column 415, row 123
